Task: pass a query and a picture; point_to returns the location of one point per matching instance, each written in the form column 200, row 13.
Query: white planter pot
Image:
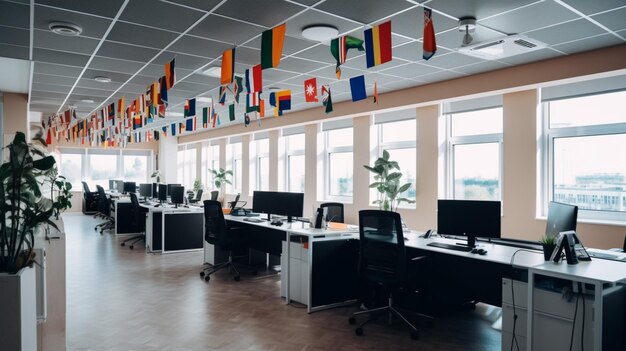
column 18, row 320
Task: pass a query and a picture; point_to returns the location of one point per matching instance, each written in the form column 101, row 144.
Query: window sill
column 612, row 222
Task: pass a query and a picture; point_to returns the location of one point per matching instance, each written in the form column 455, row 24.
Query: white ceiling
column 14, row 75
column 130, row 41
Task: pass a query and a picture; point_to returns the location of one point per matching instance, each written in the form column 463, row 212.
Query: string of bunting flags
column 130, row 122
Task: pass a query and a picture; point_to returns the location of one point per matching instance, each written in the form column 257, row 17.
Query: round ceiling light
column 65, row 28
column 102, row 79
column 87, row 101
column 320, row 32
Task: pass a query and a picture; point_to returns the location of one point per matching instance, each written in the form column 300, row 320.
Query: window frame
column 289, row 152
column 193, row 170
column 209, row 158
column 257, row 163
column 232, row 159
column 327, row 155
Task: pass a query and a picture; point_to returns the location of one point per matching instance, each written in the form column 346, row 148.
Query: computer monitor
column 469, row 218
column 120, row 186
column 145, row 190
column 177, row 194
column 169, row 188
column 155, row 190
column 561, row 218
column 279, row 203
column 113, row 184
column 162, row 192
column 130, row 187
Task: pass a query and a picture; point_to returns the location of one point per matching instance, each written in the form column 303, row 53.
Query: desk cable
column 582, row 334
column 514, row 338
column 571, row 340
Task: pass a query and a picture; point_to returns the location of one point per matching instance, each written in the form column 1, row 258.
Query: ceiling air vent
column 502, row 47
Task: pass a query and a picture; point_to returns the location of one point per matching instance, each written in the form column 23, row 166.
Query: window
column 70, row 166
column 135, row 168
column 103, row 167
column 398, row 138
column 339, row 159
column 583, row 139
column 474, row 154
column 262, row 164
column 235, row 163
column 210, row 160
column 186, row 165
column 295, row 162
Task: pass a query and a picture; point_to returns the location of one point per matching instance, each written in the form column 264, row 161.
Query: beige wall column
column 199, row 167
column 15, row 115
column 360, row 180
column 245, row 166
column 310, row 168
column 273, row 159
column 168, row 159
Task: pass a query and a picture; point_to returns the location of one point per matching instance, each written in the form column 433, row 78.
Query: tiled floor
column 120, row 299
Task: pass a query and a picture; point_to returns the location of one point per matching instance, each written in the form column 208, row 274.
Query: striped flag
column 228, row 66
column 237, row 88
column 163, row 88
column 222, row 94
column 281, row 100
column 254, row 79
column 231, row 112
column 120, row 108
column 327, row 99
column 170, row 74
column 378, row 44
column 253, row 103
column 339, row 48
column 430, row 44
column 272, row 41
column 205, row 117
column 190, row 107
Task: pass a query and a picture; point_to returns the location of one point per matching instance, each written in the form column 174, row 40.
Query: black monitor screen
column 113, row 184
column 162, row 192
column 155, row 190
column 130, row 187
column 145, row 190
column 169, row 188
column 469, row 218
column 120, row 186
column 177, row 194
column 561, row 218
column 279, row 203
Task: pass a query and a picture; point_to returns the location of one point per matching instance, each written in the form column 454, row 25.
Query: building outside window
column 339, row 164
column 210, row 160
column 295, row 161
column 186, row 167
column 262, row 175
column 234, row 162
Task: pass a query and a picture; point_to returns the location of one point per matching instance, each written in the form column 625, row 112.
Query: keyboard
column 602, row 255
column 450, row 246
column 253, row 220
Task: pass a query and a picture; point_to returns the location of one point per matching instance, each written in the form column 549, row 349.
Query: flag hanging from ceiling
column 231, row 112
column 228, row 66
column 190, row 124
column 253, row 103
column 120, row 109
column 163, row 88
column 310, row 90
column 378, row 44
column 152, row 94
column 281, row 100
column 246, row 120
column 222, row 94
column 170, row 74
column 327, row 99
column 237, row 88
column 357, row 87
column 190, row 108
column 430, row 44
column 205, row 117
column 339, row 48
column 375, row 93
column 254, row 79
column 173, row 129
column 272, row 41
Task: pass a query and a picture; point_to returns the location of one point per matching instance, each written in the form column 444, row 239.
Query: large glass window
column 186, row 165
column 135, row 168
column 103, row 168
column 262, row 164
column 474, row 153
column 339, row 161
column 70, row 166
column 583, row 139
column 295, row 162
column 235, row 162
column 210, row 160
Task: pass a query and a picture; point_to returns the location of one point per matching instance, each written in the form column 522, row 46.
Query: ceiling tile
column 413, row 51
column 329, row 72
column 479, row 9
column 411, row 70
column 48, row 95
column 299, row 65
column 14, row 15
column 141, row 35
column 93, row 92
column 107, row 8
column 453, row 39
column 59, row 57
column 319, row 53
column 538, row 55
column 155, row 70
column 565, row 32
column 198, row 46
column 202, row 79
column 364, row 11
column 49, row 79
column 80, row 45
column 192, row 87
column 160, row 14
column 246, row 56
column 92, row 84
column 182, row 61
column 587, row 44
column 452, row 60
column 481, row 67
column 116, row 77
column 60, row 70
column 614, row 20
column 55, row 88
column 93, row 27
column 205, row 5
column 115, row 65
column 411, row 23
column 528, row 18
column 267, row 13
column 14, row 36
column 590, row 7
column 313, row 17
column 126, row 52
column 276, row 75
column 225, row 29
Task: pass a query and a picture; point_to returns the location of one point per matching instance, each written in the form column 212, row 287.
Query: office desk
column 123, row 212
column 170, row 229
column 327, row 262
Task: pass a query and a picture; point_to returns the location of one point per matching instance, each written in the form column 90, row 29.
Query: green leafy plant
column 387, row 181
column 548, row 240
column 197, row 185
column 220, row 177
column 62, row 201
column 23, row 208
column 156, row 174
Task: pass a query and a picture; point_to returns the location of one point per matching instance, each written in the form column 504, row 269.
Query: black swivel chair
column 334, row 212
column 138, row 221
column 90, row 200
column 383, row 261
column 197, row 198
column 104, row 210
column 214, row 195
column 217, row 232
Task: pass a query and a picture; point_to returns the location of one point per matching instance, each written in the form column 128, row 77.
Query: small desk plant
column 549, row 244
column 220, row 178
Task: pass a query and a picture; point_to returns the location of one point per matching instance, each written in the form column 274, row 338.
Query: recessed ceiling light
column 213, row 71
column 65, row 28
column 320, row 32
column 102, row 79
column 204, row 99
column 87, row 101
column 175, row 114
column 273, row 88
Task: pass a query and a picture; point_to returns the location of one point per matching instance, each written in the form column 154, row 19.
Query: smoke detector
column 503, row 47
column 65, row 28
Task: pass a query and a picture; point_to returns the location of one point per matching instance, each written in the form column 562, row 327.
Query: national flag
column 310, row 90
column 254, row 79
column 222, row 94
column 161, row 113
column 156, row 135
column 66, row 117
column 111, row 113
column 153, row 94
column 173, row 129
column 253, row 102
column 262, row 108
column 228, row 66
column 357, row 87
column 120, row 108
column 163, row 91
column 190, row 107
column 430, row 44
column 190, row 124
column 339, row 48
column 170, row 74
column 375, row 93
column 327, row 99
column 378, row 44
column 246, row 120
column 272, row 41
column 237, row 87
column 231, row 112
column 205, row 117
column 281, row 100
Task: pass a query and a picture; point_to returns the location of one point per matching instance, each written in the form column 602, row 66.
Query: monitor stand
column 289, row 219
column 471, row 242
column 269, row 217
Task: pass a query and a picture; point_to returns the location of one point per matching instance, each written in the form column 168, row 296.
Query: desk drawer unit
column 298, row 272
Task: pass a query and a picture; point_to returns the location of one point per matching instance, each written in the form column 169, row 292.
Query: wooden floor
column 120, row 299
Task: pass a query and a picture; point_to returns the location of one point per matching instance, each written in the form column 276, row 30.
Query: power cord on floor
column 514, row 338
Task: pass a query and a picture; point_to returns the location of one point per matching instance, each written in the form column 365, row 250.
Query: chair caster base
column 207, row 278
column 131, row 247
column 358, row 331
column 201, row 274
column 352, row 321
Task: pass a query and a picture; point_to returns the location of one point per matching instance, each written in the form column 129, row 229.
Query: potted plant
column 549, row 244
column 156, row 174
column 197, row 185
column 63, row 189
column 23, row 211
column 220, row 178
column 387, row 181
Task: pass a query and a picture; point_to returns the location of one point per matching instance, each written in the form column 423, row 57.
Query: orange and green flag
column 272, row 41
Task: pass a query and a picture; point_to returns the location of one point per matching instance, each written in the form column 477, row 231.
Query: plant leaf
column 404, row 188
column 385, row 155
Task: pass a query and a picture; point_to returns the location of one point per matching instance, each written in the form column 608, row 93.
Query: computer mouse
column 482, row 252
column 475, row 250
column 157, row 205
column 277, row 223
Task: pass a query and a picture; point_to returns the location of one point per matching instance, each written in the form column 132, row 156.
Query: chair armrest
column 418, row 258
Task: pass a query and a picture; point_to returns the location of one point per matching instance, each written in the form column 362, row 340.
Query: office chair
column 90, row 200
column 217, row 232
column 334, row 212
column 104, row 210
column 139, row 221
column 214, row 195
column 383, row 261
column 197, row 198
